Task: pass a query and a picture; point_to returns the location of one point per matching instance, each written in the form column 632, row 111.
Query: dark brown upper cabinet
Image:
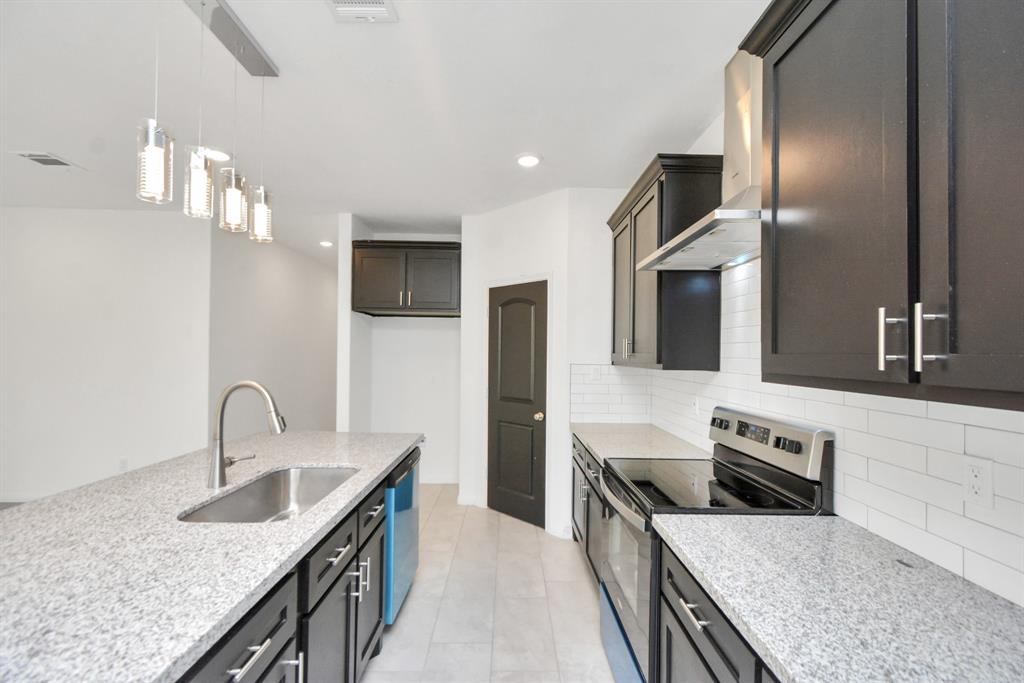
column 892, row 179
column 971, row 313
column 669, row 319
column 406, row 278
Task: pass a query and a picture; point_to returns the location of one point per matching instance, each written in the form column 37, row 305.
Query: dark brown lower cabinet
column 370, row 605
column 679, row 661
column 285, row 667
column 328, row 633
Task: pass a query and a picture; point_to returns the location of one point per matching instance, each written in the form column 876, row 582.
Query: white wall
column 415, row 388
column 710, row 141
column 273, row 318
column 104, row 343
column 526, row 242
column 354, row 351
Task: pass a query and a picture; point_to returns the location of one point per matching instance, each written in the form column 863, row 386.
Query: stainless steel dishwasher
column 402, row 534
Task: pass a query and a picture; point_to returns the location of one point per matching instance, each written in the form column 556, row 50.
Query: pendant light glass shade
column 234, row 210
column 260, row 215
column 155, row 177
column 198, row 184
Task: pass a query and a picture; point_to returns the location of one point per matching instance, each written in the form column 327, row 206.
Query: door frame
column 548, row 278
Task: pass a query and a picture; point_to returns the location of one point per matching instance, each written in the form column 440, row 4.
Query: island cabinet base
column 323, row 622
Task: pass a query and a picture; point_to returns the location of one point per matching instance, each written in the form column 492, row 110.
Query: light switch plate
column 978, row 489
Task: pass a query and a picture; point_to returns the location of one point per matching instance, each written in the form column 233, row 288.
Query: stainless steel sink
column 278, row 495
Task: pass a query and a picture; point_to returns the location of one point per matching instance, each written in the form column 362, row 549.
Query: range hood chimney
column 731, row 234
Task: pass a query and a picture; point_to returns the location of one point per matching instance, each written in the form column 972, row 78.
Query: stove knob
column 794, row 447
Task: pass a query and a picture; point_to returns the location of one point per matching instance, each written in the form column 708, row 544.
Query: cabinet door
column 622, row 314
column 432, row 281
column 378, row 279
column 835, row 237
column 328, row 633
column 579, row 508
column 971, row 60
column 286, row 666
column 370, row 608
column 643, row 346
column 595, row 522
column 679, row 661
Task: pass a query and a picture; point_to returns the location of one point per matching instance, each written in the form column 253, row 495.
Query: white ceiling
column 410, row 125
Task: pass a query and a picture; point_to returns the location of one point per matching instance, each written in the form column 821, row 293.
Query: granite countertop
column 634, row 441
column 103, row 583
column 821, row 599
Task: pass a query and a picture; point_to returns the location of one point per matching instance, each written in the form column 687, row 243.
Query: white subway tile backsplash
column 945, row 435
column 918, row 485
column 994, row 576
column 898, row 467
column 981, row 538
column 929, row 546
column 910, row 455
column 994, row 444
column 888, row 501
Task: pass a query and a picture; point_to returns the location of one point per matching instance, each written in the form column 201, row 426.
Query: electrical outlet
column 978, row 482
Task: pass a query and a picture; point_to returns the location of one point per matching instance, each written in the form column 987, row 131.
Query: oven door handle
column 627, row 513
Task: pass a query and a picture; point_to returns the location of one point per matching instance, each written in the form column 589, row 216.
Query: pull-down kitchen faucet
column 219, row 463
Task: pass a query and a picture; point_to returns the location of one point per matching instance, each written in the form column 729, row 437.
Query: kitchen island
column 104, row 583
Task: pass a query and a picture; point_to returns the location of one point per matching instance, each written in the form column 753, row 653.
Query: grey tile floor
column 495, row 599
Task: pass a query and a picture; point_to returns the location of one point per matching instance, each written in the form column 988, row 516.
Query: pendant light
column 199, row 169
column 234, row 212
column 154, row 181
column 260, row 215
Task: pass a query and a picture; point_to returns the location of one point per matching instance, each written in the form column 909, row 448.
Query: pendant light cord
column 156, row 67
column 263, row 140
column 202, row 41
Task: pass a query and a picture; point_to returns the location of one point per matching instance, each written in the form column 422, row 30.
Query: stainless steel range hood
column 731, row 234
column 728, row 236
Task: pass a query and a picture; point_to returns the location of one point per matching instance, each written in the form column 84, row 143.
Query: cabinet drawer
column 724, row 650
column 249, row 650
column 286, row 667
column 371, row 513
column 327, row 561
column 593, row 471
column 579, row 451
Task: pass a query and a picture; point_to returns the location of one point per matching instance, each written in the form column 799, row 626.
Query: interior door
column 370, row 608
column 622, row 304
column 432, row 281
column 643, row 346
column 329, row 631
column 836, row 233
column 517, row 378
column 971, row 60
column 379, row 279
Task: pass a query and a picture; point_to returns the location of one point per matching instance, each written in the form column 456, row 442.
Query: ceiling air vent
column 44, row 158
column 363, row 11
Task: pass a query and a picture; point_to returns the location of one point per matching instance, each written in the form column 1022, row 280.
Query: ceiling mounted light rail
column 229, row 30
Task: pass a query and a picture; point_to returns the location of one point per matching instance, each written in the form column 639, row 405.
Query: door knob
column 538, row 416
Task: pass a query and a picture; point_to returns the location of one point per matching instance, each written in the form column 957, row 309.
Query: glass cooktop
column 702, row 485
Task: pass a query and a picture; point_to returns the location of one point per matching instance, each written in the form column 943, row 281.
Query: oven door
column 626, row 567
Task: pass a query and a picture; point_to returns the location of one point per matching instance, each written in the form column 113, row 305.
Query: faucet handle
column 231, row 460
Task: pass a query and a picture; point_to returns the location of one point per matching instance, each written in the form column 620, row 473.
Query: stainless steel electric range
column 759, row 466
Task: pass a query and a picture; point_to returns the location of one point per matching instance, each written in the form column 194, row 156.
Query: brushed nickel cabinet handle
column 359, row 583
column 341, row 553
column 366, row 585
column 300, row 663
column 375, row 511
column 401, row 294
column 883, row 320
column 688, row 607
column 408, row 298
column 920, row 357
column 257, row 652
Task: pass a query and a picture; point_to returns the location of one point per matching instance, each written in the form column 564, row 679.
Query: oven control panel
column 752, row 431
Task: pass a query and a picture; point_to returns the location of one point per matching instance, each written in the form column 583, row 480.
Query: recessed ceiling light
column 326, row 244
column 528, row 160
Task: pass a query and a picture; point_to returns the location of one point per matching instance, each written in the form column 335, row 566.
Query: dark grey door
column 378, row 280
column 679, row 661
column 622, row 303
column 835, row 236
column 329, row 632
column 517, row 378
column 596, row 519
column 370, row 608
column 432, row 280
column 643, row 344
column 971, row 60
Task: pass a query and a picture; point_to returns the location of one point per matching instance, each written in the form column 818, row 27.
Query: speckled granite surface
column 633, row 441
column 822, row 599
column 103, row 583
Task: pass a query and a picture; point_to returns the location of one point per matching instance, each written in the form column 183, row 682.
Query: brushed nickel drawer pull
column 257, row 652
column 300, row 676
column 688, row 607
column 337, row 558
column 359, row 584
column 375, row 511
column 366, row 586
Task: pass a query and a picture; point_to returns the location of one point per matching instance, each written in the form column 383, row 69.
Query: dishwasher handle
column 402, row 471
